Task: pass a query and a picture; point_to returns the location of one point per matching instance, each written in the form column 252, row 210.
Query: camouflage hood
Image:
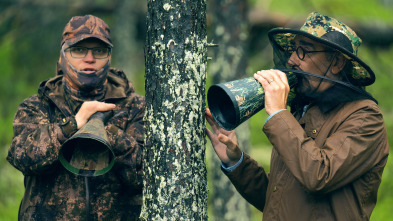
column 332, row 33
column 118, row 86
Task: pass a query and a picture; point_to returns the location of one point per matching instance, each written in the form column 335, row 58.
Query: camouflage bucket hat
column 332, row 33
column 83, row 27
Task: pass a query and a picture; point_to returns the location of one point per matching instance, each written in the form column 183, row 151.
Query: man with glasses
column 85, row 84
column 330, row 148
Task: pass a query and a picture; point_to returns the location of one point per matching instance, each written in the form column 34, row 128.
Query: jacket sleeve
column 251, row 181
column 36, row 141
column 357, row 144
column 125, row 132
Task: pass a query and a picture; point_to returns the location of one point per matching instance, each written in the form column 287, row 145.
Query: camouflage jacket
column 43, row 122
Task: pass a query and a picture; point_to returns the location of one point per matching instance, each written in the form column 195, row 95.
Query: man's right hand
column 88, row 108
column 224, row 142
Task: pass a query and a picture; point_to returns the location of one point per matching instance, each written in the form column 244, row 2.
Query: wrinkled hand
column 276, row 87
column 88, row 108
column 224, row 142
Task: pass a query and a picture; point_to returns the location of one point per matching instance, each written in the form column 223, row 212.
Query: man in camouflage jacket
column 63, row 105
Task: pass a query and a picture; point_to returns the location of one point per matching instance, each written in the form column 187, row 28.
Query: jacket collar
column 118, row 88
column 339, row 94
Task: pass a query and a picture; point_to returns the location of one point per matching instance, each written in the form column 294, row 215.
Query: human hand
column 88, row 108
column 224, row 142
column 276, row 87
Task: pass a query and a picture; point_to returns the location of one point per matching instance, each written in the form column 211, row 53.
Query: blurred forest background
column 30, row 34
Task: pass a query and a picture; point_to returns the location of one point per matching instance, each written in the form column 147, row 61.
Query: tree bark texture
column 229, row 30
column 175, row 176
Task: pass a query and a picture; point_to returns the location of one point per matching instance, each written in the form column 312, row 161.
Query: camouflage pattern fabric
column 83, row 27
column 77, row 29
column 317, row 27
column 90, row 85
column 44, row 122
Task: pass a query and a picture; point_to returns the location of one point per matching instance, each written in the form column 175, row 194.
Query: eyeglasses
column 301, row 52
column 81, row 52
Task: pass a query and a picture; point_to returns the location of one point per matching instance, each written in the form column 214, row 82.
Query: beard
column 313, row 86
column 304, row 87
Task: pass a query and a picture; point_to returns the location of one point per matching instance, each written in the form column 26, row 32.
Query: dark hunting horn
column 88, row 152
column 234, row 102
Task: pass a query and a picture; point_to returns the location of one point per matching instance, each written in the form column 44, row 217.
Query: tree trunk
column 175, row 182
column 229, row 29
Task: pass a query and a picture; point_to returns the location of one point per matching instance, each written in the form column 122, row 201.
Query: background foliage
column 30, row 34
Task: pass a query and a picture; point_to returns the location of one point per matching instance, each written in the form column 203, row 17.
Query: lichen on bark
column 175, row 182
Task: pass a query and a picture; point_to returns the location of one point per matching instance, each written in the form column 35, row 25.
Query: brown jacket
column 323, row 166
column 41, row 125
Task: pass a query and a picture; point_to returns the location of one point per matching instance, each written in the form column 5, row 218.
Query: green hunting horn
column 88, row 152
column 234, row 102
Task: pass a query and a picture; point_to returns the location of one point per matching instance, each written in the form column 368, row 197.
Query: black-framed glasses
column 301, row 52
column 81, row 52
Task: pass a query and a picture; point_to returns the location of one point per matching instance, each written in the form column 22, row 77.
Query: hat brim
column 364, row 77
column 82, row 37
